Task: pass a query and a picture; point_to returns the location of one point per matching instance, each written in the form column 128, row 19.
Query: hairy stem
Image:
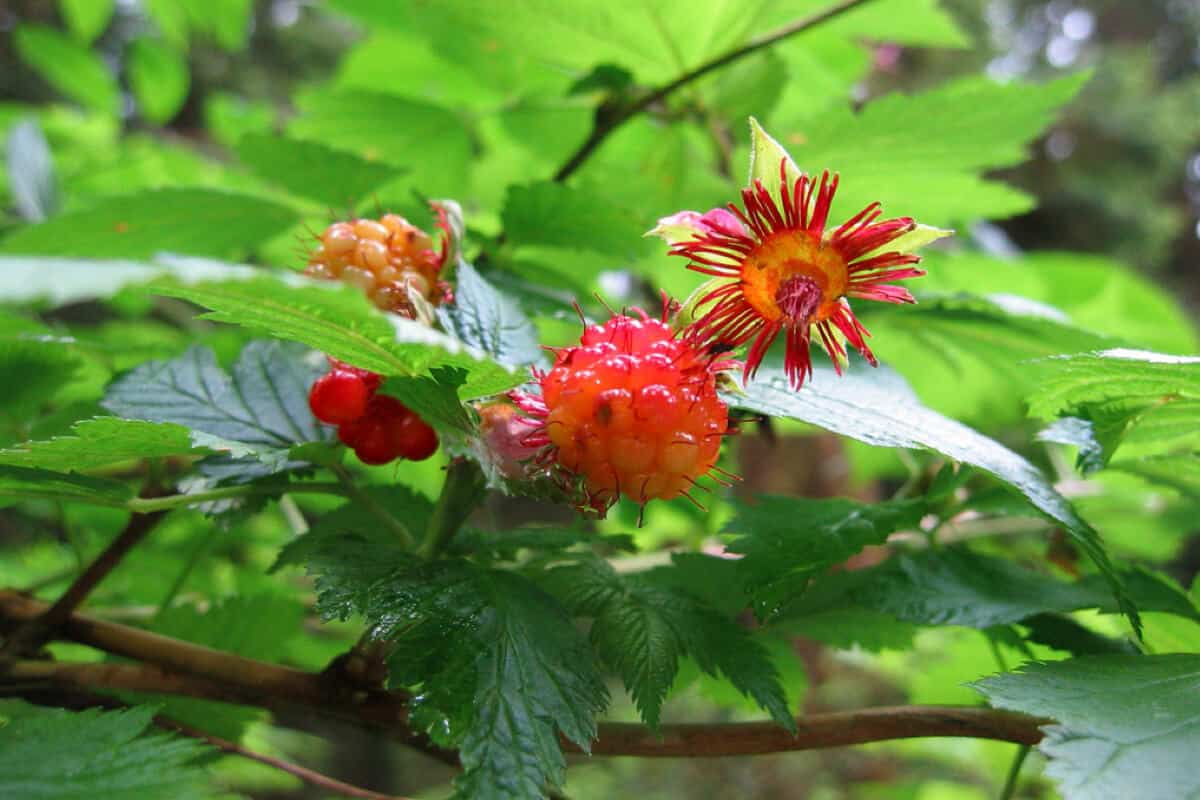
column 613, row 118
column 462, row 491
column 364, row 499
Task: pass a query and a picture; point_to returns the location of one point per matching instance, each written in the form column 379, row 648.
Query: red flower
column 781, row 271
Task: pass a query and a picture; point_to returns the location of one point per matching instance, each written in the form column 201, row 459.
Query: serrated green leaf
column 435, row 399
column 68, row 66
column 86, row 19
column 921, row 155
column 264, row 403
column 881, row 411
column 1126, row 726
column 103, row 441
column 1151, row 399
column 339, row 320
column 786, row 541
column 22, row 483
column 313, row 170
column 53, row 754
column 159, row 77
column 31, row 179
column 194, row 221
column 489, row 320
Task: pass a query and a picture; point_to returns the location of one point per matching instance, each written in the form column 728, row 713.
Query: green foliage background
column 1014, row 491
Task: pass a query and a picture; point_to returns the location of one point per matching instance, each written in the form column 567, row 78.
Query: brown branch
column 609, row 119
column 36, row 630
column 305, row 774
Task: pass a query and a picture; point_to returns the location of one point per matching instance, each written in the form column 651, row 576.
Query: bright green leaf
column 86, row 19
column 68, row 66
column 21, row 483
column 310, row 169
column 104, row 441
column 159, row 77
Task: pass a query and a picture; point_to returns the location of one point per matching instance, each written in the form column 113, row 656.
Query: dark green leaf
column 52, row 754
column 68, row 66
column 32, row 367
column 1126, row 726
column 435, row 399
column 31, row 171
column 787, row 540
column 1063, row 633
column 195, row 221
column 881, row 411
column 335, row 178
column 159, row 77
column 485, row 318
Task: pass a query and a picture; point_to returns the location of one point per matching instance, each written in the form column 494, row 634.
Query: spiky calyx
column 388, row 258
column 631, row 410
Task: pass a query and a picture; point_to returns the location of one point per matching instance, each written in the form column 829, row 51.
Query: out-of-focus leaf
column 195, row 221
column 313, row 170
column 21, row 483
column 159, row 77
column 68, row 66
column 31, row 171
column 86, row 19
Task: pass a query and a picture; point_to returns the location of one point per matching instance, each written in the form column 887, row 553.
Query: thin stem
column 31, row 635
column 462, row 491
column 309, row 776
column 1014, row 773
column 368, row 501
column 609, row 119
column 203, row 542
column 144, row 505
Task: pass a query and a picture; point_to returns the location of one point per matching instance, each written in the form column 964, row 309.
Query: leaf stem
column 144, row 505
column 367, row 501
column 461, row 493
column 608, row 119
column 1014, row 773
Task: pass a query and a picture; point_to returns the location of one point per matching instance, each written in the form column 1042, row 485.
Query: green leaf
column 264, row 403
column 430, row 141
column 788, row 540
column 954, row 586
column 86, row 19
column 549, row 213
column 22, row 483
column 258, row 626
column 435, row 399
column 881, row 411
column 922, row 155
column 53, row 754
column 68, row 66
column 159, row 77
column 313, row 170
column 643, row 625
column 355, row 526
column 1150, row 399
column 195, row 221
column 1180, row 472
column 489, row 320
column 1126, row 726
column 339, row 320
column 104, row 441
column 30, row 166
column 32, row 368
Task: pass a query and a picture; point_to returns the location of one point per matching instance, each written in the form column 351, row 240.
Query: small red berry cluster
column 377, row 427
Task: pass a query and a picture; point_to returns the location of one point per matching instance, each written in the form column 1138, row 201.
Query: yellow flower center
column 794, row 277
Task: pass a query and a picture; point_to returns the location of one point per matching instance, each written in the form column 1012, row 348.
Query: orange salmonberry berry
column 385, row 258
column 632, row 410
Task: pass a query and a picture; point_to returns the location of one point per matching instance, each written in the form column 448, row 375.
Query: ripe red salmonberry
column 385, row 258
column 415, row 440
column 632, row 410
column 339, row 396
